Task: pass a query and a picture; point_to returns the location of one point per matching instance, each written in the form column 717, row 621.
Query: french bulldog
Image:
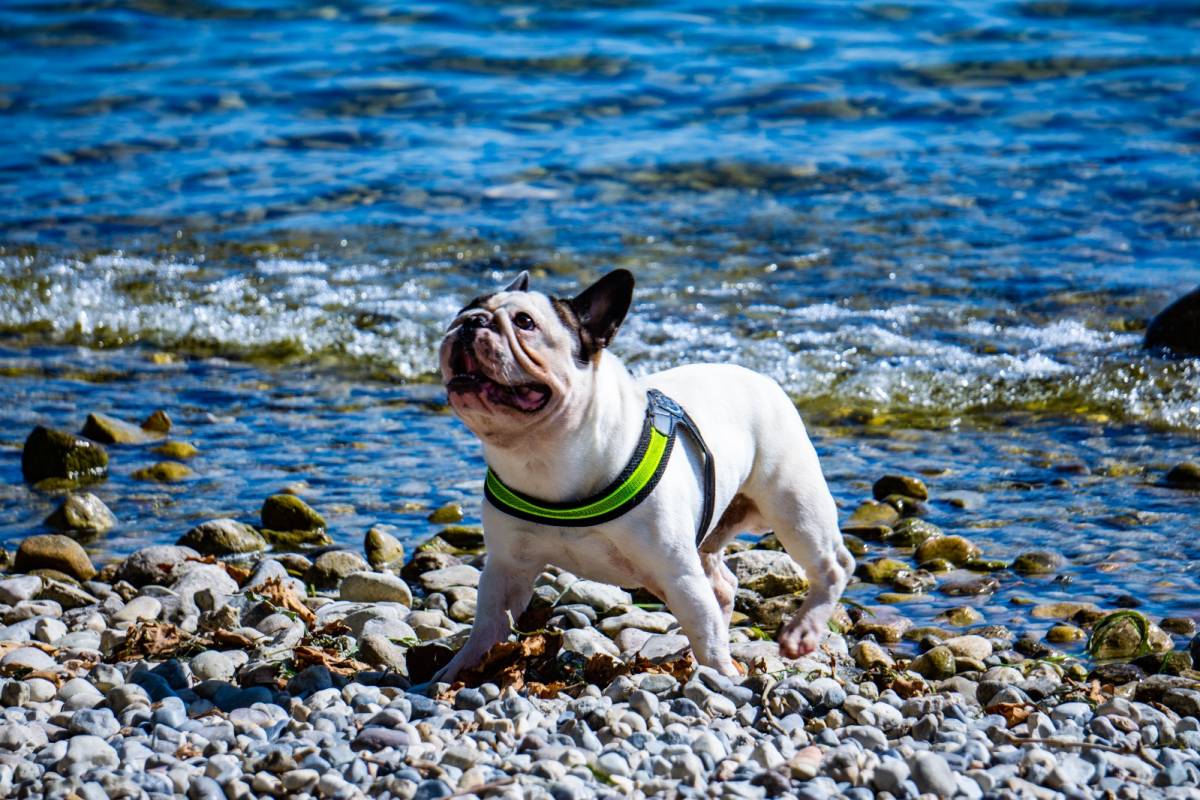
column 559, row 416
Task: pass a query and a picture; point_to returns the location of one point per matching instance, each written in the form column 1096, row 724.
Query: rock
column 1182, row 626
column 375, row 587
column 220, row 537
column 50, row 453
column 159, row 421
column 933, row 775
column 1037, row 562
column 54, row 551
column 652, row 621
column 296, row 540
column 211, row 665
column 286, row 512
column 1061, row 610
column 379, row 651
column 767, row 572
column 881, row 570
column 601, row 596
column 1064, row 634
column 856, row 546
column 19, row 589
column 872, row 520
column 970, row 646
column 900, row 484
column 954, row 549
column 1177, row 327
column 137, row 609
column 1184, row 476
column 177, row 451
column 455, row 540
column 86, row 753
column 439, row 580
column 82, row 512
column 329, row 569
column 868, row 655
column 158, row 564
column 912, row 531
column 26, row 658
column 447, row 514
column 110, row 430
column 970, row 587
column 1119, row 635
column 382, row 548
column 163, row 472
column 588, row 642
column 961, row 616
column 935, row 664
column 885, row 629
column 67, row 595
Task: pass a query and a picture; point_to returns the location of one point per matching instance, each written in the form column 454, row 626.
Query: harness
column 635, row 483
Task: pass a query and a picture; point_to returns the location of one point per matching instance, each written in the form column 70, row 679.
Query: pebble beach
column 252, row 660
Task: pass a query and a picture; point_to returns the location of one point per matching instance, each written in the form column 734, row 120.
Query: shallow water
column 941, row 227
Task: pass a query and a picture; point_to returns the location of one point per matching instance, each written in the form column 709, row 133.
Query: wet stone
column 911, row 532
column 1037, row 562
column 110, row 430
column 286, row 512
column 54, row 454
column 82, row 512
column 176, row 450
column 1184, row 476
column 163, row 472
column 447, row 514
column 382, row 548
column 904, row 485
column 935, row 664
column 955, row 549
column 223, row 537
column 970, row 587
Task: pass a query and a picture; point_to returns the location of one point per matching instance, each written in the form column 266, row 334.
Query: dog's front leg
column 504, row 588
column 691, row 599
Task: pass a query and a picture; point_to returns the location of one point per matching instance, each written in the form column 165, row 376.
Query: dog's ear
column 520, row 283
column 602, row 307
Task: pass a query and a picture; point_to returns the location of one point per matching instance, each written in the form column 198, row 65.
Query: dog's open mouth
column 470, row 379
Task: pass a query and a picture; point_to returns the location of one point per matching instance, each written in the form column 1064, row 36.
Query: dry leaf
column 231, row 640
column 1096, row 694
column 1014, row 713
column 305, row 656
column 239, row 574
column 154, row 641
column 283, row 596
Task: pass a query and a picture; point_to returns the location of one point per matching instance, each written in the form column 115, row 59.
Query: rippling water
column 940, row 226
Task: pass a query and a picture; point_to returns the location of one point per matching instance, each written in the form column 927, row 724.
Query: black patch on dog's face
column 585, row 344
column 478, row 302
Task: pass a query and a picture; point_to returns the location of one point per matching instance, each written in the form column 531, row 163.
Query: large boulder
column 51, row 453
column 54, row 551
column 1177, row 327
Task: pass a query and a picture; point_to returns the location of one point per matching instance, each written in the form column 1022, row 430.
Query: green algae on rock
column 955, row 549
column 382, row 548
column 163, row 472
column 286, row 512
column 297, row 539
column 880, row 570
column 1037, row 562
column 1126, row 634
column 54, row 551
column 937, row 663
column 177, row 450
column 55, row 454
column 911, row 532
column 447, row 514
column 221, row 537
column 872, row 520
column 904, row 485
column 767, row 572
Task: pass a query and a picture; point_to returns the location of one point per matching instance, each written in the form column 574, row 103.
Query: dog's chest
column 593, row 554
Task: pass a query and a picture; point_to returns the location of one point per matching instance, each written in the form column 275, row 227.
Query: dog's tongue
column 528, row 398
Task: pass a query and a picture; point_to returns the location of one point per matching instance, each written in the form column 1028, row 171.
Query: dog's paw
column 800, row 637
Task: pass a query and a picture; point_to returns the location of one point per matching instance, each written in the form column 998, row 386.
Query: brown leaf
column 231, row 640
column 1014, row 713
column 1096, row 694
column 154, row 641
column 507, row 662
column 908, row 687
column 239, row 574
column 283, row 596
column 305, row 656
column 546, row 691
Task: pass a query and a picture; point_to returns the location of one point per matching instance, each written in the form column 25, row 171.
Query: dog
column 559, row 417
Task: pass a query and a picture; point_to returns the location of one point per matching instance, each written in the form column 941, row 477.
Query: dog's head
column 516, row 359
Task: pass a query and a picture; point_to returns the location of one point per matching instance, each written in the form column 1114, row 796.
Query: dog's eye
column 523, row 321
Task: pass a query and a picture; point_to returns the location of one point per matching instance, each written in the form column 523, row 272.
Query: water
column 941, row 227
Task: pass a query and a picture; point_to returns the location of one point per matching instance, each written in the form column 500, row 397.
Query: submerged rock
column 110, row 430
column 82, row 512
column 872, row 520
column 1184, row 476
column 220, row 537
column 1037, row 562
column 50, row 453
column 176, row 450
column 955, row 549
column 903, row 485
column 163, row 472
column 54, row 551
column 447, row 514
column 286, row 512
column 880, row 570
column 911, row 532
column 1177, row 327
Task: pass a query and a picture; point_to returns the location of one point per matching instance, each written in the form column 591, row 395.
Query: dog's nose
column 470, row 326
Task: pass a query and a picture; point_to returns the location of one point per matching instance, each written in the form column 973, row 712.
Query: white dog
column 583, row 476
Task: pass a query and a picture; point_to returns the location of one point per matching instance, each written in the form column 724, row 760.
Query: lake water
column 940, row 226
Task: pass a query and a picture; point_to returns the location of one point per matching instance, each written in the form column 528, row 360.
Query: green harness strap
column 631, row 487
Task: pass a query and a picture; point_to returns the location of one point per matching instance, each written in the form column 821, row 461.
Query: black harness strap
column 661, row 404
